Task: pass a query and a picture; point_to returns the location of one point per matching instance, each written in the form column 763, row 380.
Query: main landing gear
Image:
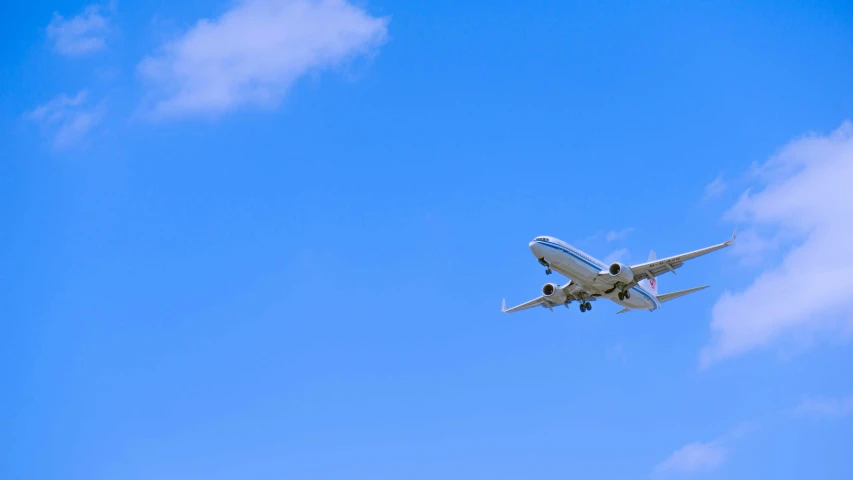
column 624, row 295
column 586, row 306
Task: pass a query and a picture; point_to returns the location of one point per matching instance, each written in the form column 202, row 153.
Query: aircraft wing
column 536, row 302
column 542, row 301
column 669, row 264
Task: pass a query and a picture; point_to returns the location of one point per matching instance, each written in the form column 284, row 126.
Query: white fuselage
column 583, row 270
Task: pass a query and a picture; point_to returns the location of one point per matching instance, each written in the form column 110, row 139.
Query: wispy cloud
column 79, row 35
column 806, row 195
column 752, row 247
column 253, row 53
column 616, row 255
column 716, row 188
column 825, row 407
column 702, row 456
column 614, row 235
column 67, row 119
column 693, row 457
column 616, row 352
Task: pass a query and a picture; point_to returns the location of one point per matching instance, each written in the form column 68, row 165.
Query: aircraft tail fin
column 651, row 284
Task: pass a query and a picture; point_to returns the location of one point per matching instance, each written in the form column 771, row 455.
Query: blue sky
column 269, row 239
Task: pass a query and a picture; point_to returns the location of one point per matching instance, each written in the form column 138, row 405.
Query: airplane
column 633, row 287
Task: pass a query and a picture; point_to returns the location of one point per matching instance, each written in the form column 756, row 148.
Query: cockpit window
column 541, row 239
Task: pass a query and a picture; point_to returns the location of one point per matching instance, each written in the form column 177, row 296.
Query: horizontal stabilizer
column 669, row 296
column 624, row 310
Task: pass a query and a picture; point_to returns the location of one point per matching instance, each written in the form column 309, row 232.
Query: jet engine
column 621, row 273
column 554, row 293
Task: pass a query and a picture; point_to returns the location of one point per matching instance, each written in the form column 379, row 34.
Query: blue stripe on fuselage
column 597, row 268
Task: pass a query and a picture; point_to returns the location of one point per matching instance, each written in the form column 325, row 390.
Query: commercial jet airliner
column 634, row 287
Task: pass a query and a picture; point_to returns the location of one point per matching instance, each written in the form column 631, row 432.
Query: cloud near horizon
column 806, row 195
column 252, row 54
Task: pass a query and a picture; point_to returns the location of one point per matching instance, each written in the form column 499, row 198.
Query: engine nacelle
column 621, row 273
column 554, row 293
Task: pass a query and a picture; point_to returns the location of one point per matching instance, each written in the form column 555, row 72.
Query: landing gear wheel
column 583, row 307
column 548, row 271
column 627, row 294
column 588, row 306
column 621, row 296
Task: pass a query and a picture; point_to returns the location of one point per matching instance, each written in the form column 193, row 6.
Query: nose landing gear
column 546, row 265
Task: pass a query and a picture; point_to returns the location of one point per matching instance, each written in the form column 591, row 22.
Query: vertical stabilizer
column 651, row 284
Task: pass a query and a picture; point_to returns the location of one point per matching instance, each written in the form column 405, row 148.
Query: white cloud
column 693, row 457
column 252, row 54
column 67, row 119
column 806, row 194
column 825, row 407
column 616, row 256
column 82, row 34
column 716, row 188
column 618, row 235
column 752, row 247
column 703, row 456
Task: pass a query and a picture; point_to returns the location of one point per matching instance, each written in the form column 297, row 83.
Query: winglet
column 503, row 305
column 734, row 236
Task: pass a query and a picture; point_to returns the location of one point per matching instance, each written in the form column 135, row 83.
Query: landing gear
column 624, row 295
column 627, row 294
column 545, row 264
column 621, row 296
column 586, row 306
